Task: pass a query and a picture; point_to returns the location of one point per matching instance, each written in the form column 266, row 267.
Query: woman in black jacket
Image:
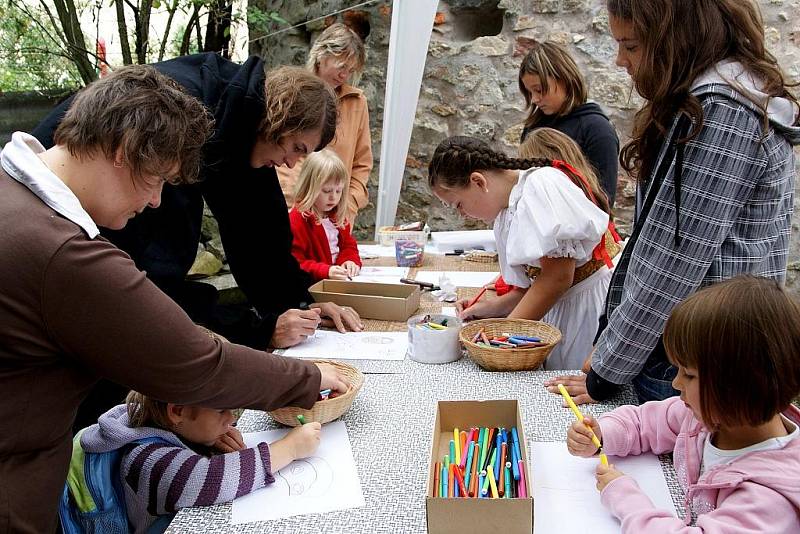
column 555, row 96
column 262, row 120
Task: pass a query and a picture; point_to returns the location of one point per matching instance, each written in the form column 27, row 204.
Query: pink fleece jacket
column 757, row 492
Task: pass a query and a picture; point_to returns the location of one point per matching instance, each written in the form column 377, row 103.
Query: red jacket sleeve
column 348, row 248
column 303, row 247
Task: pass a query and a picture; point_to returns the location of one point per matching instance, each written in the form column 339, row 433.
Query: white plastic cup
column 434, row 346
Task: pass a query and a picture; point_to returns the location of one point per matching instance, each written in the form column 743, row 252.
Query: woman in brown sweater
column 74, row 308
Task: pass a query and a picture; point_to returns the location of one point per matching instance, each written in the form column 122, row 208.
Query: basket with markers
column 509, row 344
column 327, row 408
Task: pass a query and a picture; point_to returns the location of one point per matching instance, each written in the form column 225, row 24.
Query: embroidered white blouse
column 547, row 216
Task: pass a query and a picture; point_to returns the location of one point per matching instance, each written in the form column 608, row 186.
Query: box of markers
column 478, row 477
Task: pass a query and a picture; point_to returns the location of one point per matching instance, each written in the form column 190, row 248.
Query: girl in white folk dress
column 554, row 237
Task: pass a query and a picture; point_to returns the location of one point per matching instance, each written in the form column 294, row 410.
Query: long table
column 390, row 425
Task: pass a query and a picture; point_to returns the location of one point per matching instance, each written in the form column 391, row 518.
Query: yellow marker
column 457, row 440
column 492, row 483
column 579, row 415
column 436, row 326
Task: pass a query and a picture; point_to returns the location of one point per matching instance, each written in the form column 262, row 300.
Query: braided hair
column 457, row 157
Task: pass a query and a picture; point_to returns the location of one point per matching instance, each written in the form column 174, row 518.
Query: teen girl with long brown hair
column 712, row 152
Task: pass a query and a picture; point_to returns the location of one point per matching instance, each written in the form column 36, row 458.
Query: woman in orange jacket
column 338, row 57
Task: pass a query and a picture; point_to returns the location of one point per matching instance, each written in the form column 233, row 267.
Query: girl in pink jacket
column 733, row 431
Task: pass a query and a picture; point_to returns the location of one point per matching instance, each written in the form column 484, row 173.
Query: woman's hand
column 343, row 318
column 331, row 379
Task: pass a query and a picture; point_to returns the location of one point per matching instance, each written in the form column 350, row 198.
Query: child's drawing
column 309, row 477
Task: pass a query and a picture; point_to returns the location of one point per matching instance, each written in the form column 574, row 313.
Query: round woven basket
column 326, row 410
column 499, row 359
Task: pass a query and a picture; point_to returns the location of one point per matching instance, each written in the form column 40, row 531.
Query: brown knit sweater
column 74, row 309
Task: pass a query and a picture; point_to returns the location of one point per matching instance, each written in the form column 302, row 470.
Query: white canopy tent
column 412, row 23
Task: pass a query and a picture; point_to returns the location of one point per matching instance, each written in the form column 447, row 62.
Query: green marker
column 302, row 419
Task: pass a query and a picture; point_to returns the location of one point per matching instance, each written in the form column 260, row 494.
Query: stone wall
column 470, row 82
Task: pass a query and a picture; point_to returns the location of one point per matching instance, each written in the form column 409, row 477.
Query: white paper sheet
column 381, row 275
column 565, row 498
column 324, row 482
column 459, row 278
column 464, row 240
column 352, row 346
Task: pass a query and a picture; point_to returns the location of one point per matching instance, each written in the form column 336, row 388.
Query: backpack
column 93, row 500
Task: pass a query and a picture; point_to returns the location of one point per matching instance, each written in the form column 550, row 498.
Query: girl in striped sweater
column 196, row 459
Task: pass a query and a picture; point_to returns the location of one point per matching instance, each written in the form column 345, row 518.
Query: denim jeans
column 654, row 382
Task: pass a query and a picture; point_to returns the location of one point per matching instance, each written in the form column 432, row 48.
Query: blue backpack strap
column 93, row 500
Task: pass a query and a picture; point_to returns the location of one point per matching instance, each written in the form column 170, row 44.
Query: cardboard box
column 387, row 302
column 463, row 515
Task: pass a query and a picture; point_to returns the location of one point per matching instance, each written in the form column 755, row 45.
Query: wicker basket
column 481, row 256
column 499, row 359
column 326, row 410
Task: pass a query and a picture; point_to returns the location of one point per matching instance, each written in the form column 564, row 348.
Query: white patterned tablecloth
column 390, row 426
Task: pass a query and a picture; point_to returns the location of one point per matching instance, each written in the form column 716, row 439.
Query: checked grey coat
column 735, row 194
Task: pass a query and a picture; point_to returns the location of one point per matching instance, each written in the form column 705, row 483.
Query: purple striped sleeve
column 135, row 469
column 156, row 474
column 266, row 463
column 178, row 484
column 213, row 481
column 247, row 471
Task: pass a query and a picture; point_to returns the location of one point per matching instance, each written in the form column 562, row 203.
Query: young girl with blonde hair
column 338, row 57
column 733, row 431
column 178, row 456
column 322, row 242
column 554, row 240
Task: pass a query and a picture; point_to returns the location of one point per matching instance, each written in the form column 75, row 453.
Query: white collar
column 19, row 159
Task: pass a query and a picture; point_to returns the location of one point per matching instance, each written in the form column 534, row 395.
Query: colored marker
column 462, row 489
column 302, row 419
column 457, row 443
column 502, row 464
column 444, row 481
column 452, row 451
column 473, row 479
column 523, row 488
column 492, row 484
column 507, row 480
column 579, row 415
column 450, row 481
column 469, row 463
column 518, row 454
column 437, row 486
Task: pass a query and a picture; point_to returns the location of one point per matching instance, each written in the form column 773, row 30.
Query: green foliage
column 261, row 21
column 27, row 58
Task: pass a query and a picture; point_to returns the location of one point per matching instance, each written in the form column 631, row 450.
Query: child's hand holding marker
column 593, row 436
column 579, row 437
column 352, row 269
column 605, row 474
column 338, row 272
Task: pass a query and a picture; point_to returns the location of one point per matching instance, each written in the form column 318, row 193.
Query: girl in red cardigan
column 322, row 242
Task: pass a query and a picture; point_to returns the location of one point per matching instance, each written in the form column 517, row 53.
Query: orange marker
column 450, row 480
column 436, row 485
column 473, row 479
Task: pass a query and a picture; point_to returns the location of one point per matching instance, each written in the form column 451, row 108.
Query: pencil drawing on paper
column 309, row 477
